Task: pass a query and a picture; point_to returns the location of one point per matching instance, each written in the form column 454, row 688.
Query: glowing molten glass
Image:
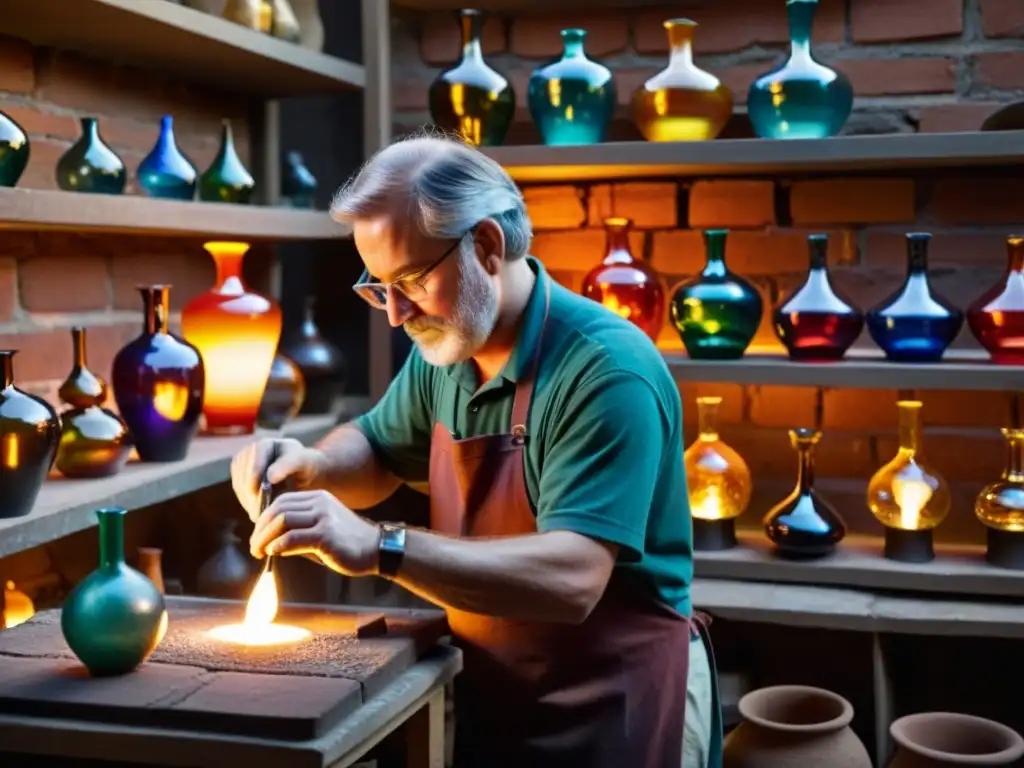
column 258, row 627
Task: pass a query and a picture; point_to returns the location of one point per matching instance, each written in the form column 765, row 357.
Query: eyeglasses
column 375, row 293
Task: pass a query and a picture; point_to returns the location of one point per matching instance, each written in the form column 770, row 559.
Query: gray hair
column 450, row 188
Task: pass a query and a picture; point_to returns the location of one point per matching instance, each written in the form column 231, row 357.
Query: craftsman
column 550, row 431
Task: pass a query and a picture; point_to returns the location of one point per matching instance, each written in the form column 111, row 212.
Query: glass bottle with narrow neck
column 996, row 318
column 89, row 165
column 718, row 478
column 1000, row 506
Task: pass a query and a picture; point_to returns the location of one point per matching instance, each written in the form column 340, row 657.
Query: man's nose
column 400, row 309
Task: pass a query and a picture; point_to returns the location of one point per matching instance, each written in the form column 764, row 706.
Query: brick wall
column 942, row 69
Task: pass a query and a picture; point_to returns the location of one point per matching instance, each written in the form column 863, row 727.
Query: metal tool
column 267, row 497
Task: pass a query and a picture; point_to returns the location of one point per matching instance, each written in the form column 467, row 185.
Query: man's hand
column 316, row 523
column 295, row 461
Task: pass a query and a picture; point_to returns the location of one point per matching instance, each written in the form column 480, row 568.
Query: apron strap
column 524, row 387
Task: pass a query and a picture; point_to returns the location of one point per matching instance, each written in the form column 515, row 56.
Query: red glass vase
column 624, row 284
column 237, row 332
column 996, row 318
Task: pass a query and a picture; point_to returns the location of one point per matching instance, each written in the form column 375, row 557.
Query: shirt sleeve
column 603, row 460
column 399, row 426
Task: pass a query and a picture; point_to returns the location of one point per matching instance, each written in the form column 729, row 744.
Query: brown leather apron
column 609, row 692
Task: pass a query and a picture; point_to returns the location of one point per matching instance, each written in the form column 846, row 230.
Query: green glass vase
column 226, row 180
column 115, row 618
column 90, row 165
column 717, row 312
column 14, row 151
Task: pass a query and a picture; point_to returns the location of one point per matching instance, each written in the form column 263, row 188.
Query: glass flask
column 1000, row 506
column 14, row 151
column 321, row 363
column 165, row 171
column 283, row 396
column 996, row 318
column 90, row 165
column 226, row 180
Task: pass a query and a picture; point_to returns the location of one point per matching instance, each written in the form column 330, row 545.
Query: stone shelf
column 754, row 157
column 180, row 42
column 67, row 506
column 858, row 563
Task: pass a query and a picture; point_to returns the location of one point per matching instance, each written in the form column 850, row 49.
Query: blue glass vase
column 90, row 165
column 915, row 325
column 298, row 185
column 803, row 99
column 165, row 171
column 572, row 99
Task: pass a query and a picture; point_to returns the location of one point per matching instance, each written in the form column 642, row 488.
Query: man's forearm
column 351, row 470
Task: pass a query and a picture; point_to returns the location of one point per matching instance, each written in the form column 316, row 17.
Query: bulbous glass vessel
column 284, row 394
column 627, row 286
column 915, row 324
column 804, row 524
column 1000, row 506
column 717, row 312
column 572, row 99
column 815, row 323
column 996, row 318
column 682, row 102
column 165, row 171
column 14, row 151
column 472, row 98
column 90, row 165
column 803, row 99
column 226, row 180
column 322, row 364
column 298, row 185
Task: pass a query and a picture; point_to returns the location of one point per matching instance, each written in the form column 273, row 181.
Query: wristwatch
column 390, row 548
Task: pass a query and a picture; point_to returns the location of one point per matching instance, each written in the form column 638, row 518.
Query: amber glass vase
column 624, row 284
column 236, row 331
column 1000, row 506
column 718, row 479
column 682, row 102
column 996, row 318
column 284, row 394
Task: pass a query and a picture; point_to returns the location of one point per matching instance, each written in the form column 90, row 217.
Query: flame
column 18, row 607
column 263, row 603
column 708, row 505
column 911, row 495
column 258, row 627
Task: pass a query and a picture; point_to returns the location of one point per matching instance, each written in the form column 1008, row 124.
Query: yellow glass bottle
column 718, row 480
column 907, row 495
column 682, row 102
column 17, row 607
column 1000, row 506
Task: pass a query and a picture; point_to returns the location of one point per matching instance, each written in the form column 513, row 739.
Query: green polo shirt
column 605, row 452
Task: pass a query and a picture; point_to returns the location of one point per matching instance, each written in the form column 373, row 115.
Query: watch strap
column 390, row 548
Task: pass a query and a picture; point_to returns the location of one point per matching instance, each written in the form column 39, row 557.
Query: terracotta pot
column 794, row 726
column 936, row 739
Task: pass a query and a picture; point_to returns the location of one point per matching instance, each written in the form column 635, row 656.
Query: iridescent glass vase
column 14, row 151
column 996, row 318
column 322, row 364
column 283, row 396
column 165, row 171
column 226, row 180
column 90, row 165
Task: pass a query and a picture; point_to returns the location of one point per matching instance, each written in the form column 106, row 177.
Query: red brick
column 47, row 354
column 956, row 408
column 891, row 20
column 747, row 253
column 36, row 122
column 8, row 288
column 629, row 79
column 42, row 162
column 441, row 39
column 974, row 458
column 410, row 95
column 1002, row 18
column 954, row 118
column 958, row 249
column 730, row 410
column 578, row 250
column 64, row 282
column 738, row 78
column 785, row 407
column 648, row 204
column 573, row 280
column 678, row 252
column 17, row 66
column 850, row 201
column 1003, row 70
column 864, row 409
column 884, row 77
column 559, row 207
column 187, row 269
column 976, row 201
column 732, row 203
column 538, row 37
column 771, row 458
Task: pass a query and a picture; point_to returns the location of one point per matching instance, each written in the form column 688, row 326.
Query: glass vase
column 165, row 172
column 815, row 323
column 15, row 149
column 283, row 396
column 915, row 324
column 226, row 180
column 682, row 102
column 94, row 442
column 236, row 330
column 90, row 165
column 626, row 285
column 804, row 524
column 115, row 617
column 158, row 383
column 803, row 99
column 1000, row 506
column 298, row 185
column 572, row 99
column 229, row 572
column 17, row 607
column 283, row 24
column 996, row 318
column 29, row 436
column 322, row 364
column 717, row 312
column 472, row 98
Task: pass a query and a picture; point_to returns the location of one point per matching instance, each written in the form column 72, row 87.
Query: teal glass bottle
column 717, row 312
column 803, row 99
column 14, row 151
column 90, row 165
column 165, row 171
column 572, row 99
column 115, row 617
column 298, row 185
column 226, row 180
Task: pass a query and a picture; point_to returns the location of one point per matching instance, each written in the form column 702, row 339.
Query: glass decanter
column 472, row 98
column 996, row 318
column 90, row 165
column 165, row 171
column 624, row 284
column 915, row 324
column 682, row 102
column 804, row 524
column 1000, row 506
column 717, row 312
column 815, row 323
column 803, row 99
column 15, row 148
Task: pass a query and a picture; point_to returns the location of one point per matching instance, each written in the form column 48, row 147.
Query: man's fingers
column 276, row 522
column 301, row 541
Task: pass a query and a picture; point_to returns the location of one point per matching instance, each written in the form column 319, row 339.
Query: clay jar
column 942, row 739
column 794, row 726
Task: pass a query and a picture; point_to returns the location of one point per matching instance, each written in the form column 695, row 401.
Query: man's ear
column 490, row 246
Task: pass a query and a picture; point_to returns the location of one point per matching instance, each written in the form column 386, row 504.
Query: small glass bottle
column 1000, row 506
column 996, row 318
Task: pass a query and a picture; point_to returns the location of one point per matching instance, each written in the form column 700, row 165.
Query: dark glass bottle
column 815, row 323
column 717, row 312
column 804, row 524
column 94, row 442
column 14, row 151
column 996, row 318
column 165, row 171
column 322, row 364
column 226, row 180
column 915, row 324
column 472, row 98
column 298, row 185
column 90, row 165
column 284, row 394
column 159, row 381
column 228, row 573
